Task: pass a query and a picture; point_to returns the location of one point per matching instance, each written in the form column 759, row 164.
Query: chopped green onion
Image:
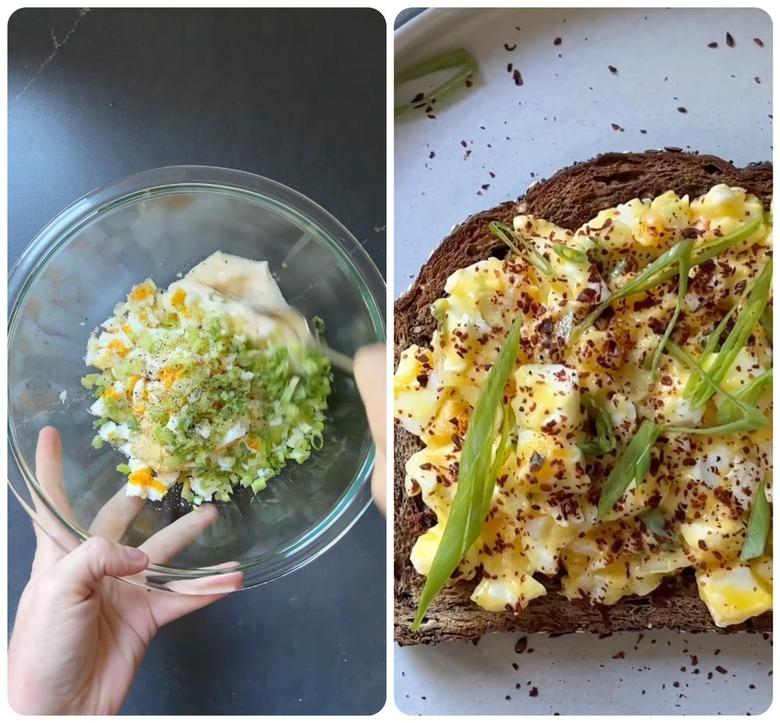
column 632, row 465
column 123, row 468
column 758, row 526
column 570, row 254
column 605, row 437
column 476, row 475
column 684, row 265
column 460, row 59
column 506, row 233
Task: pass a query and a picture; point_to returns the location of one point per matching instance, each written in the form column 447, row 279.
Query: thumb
column 82, row 570
column 371, row 377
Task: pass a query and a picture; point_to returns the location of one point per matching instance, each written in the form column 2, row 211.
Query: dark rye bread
column 570, row 198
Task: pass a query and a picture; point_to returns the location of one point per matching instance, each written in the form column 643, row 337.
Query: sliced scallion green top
column 476, row 475
column 460, row 59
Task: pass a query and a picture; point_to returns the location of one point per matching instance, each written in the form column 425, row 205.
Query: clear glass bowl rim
column 295, row 207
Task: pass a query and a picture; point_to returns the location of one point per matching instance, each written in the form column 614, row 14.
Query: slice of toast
column 570, row 198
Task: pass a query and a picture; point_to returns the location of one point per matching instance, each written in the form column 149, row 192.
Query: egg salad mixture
column 624, row 464
column 201, row 385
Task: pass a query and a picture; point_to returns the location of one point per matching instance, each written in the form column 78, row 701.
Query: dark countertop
column 298, row 96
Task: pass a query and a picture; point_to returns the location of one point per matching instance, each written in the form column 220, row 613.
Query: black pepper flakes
column 758, row 42
column 520, row 646
column 534, row 692
column 557, row 41
column 509, row 47
column 517, row 77
column 612, row 69
column 730, row 40
column 682, row 109
column 713, row 44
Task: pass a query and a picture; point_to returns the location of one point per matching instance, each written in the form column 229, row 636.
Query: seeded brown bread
column 570, row 198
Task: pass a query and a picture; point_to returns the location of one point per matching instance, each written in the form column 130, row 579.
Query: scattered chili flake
column 515, row 666
column 758, row 42
column 557, row 41
column 432, row 154
column 612, row 69
column 616, row 127
column 509, row 67
column 418, row 97
column 682, row 109
column 620, row 655
column 517, row 77
column 509, row 47
column 642, row 131
column 730, row 40
column 469, row 83
column 721, row 669
column 521, row 645
column 713, row 44
column 758, row 80
column 485, row 186
column 464, row 144
column 534, row 692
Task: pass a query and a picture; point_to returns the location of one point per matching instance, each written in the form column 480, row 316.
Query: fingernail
column 136, row 556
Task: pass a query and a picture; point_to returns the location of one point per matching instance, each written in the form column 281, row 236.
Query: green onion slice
column 570, row 254
column 699, row 391
column 632, row 464
column 684, row 265
column 533, row 256
column 758, row 526
column 605, row 436
column 659, row 271
column 750, row 420
column 476, row 476
column 460, row 59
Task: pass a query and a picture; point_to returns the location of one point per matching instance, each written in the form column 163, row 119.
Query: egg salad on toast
column 628, row 439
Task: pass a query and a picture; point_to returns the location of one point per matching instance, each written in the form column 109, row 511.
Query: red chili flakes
column 721, row 669
column 509, row 47
column 616, row 127
column 521, row 645
column 612, row 69
column 682, row 109
column 713, row 44
column 620, row 655
column 418, row 97
column 730, row 40
column 534, row 692
column 758, row 80
column 758, row 42
column 469, row 83
column 517, row 77
column 432, row 155
column 557, row 41
column 509, row 67
column 643, row 131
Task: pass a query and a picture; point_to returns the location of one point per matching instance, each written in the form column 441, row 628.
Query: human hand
column 371, row 378
column 80, row 634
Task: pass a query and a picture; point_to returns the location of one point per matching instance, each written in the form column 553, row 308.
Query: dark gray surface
column 298, row 96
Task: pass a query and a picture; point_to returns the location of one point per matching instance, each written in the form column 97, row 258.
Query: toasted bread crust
column 570, row 198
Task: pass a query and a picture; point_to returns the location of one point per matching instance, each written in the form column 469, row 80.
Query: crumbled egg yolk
column 543, row 514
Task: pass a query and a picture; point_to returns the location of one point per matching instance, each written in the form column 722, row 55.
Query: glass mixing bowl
column 158, row 224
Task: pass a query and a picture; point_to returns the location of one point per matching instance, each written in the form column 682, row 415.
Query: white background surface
column 561, row 114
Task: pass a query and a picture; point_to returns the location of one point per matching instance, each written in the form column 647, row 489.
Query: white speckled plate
column 563, row 112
